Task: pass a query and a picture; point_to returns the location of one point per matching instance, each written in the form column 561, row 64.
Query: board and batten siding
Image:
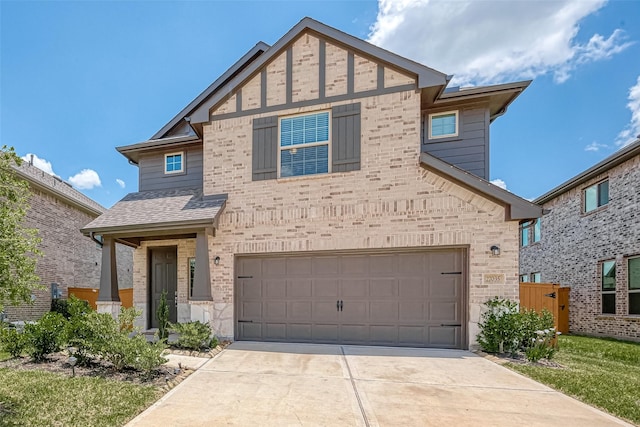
column 152, row 176
column 470, row 149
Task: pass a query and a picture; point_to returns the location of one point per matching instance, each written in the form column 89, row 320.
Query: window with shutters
column 304, row 144
column 320, row 142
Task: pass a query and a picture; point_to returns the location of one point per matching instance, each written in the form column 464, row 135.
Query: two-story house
column 589, row 240
column 322, row 190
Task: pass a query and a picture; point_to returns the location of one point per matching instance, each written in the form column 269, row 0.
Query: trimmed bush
column 45, row 336
column 192, row 335
column 12, row 341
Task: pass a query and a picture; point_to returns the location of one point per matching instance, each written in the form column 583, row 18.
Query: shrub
column 192, row 335
column 45, row 336
column 148, row 355
column 12, row 341
column 162, row 314
column 60, row 306
column 506, row 329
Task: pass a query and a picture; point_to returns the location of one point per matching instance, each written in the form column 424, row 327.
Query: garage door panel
column 383, row 288
column 299, row 288
column 275, row 288
column 275, row 331
column 358, row 288
column 299, row 332
column 392, row 298
column 325, row 333
column 325, row 288
column 325, row 266
column 299, row 311
column 384, row 311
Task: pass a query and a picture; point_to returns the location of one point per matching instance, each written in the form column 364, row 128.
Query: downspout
column 92, row 235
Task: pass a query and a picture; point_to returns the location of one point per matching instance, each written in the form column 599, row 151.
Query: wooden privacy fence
column 91, row 295
column 551, row 296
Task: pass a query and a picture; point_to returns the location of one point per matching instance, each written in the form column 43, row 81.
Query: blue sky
column 79, row 78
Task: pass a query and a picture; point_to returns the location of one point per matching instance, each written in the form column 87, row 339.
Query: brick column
column 202, row 276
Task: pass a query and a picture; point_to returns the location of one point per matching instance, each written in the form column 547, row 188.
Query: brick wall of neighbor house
column 391, row 202
column 573, row 244
column 69, row 258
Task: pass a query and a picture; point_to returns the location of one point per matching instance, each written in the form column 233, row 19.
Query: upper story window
column 173, row 163
column 524, row 233
column 304, row 144
column 634, row 285
column 595, row 196
column 608, row 286
column 443, row 125
column 536, row 230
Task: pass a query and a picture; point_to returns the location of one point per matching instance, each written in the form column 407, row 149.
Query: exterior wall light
column 495, row 250
column 216, row 260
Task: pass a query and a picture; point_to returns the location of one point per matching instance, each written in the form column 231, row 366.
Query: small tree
column 18, row 245
column 162, row 314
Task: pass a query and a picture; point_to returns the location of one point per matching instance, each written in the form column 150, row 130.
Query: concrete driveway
column 301, row 384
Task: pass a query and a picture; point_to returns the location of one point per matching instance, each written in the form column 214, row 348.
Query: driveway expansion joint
column 355, row 389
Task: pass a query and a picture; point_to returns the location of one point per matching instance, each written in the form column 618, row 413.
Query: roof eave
column 517, row 208
column 612, row 161
column 132, row 151
column 168, row 227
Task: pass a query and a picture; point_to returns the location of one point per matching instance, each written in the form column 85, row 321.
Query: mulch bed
column 519, row 359
column 164, row 377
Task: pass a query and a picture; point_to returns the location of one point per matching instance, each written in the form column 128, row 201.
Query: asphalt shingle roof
column 152, row 208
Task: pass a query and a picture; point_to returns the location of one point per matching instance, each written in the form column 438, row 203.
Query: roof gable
column 425, row 76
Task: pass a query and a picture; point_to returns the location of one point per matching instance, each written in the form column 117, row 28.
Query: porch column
column 202, row 275
column 108, row 298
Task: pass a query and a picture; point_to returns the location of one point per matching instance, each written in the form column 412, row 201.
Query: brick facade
column 574, row 244
column 69, row 258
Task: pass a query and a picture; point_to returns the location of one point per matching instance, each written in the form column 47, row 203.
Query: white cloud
column 499, row 183
column 632, row 130
column 595, row 146
column 483, row 42
column 41, row 164
column 86, row 179
column 120, row 182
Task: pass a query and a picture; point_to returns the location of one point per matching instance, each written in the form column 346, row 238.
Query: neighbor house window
column 304, row 144
column 608, row 283
column 536, row 230
column 536, row 277
column 442, row 125
column 173, row 163
column 192, row 275
column 524, row 233
column 595, row 196
column 634, row 285
column 524, row 278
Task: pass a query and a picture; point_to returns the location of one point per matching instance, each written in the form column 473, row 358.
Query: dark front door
column 163, row 277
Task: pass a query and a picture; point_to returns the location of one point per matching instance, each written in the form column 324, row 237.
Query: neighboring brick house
column 589, row 239
column 322, row 190
column 69, row 259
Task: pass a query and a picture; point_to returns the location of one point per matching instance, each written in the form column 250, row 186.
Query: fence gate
column 554, row 298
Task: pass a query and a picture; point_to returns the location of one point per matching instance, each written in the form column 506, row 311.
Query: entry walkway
column 269, row 384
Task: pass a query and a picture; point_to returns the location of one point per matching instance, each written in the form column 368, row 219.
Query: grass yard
column 4, row 356
column 36, row 398
column 604, row 373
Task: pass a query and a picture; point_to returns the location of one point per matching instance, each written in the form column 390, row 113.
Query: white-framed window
column 524, row 233
column 536, row 277
column 304, row 144
column 596, row 196
column 608, row 286
column 174, row 163
column 633, row 273
column 536, row 230
column 443, row 125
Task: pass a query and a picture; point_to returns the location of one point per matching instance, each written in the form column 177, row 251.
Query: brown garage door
column 396, row 298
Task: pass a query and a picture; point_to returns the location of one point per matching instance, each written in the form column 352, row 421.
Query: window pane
column 304, row 161
column 524, row 234
column 304, row 129
column 609, row 276
column 609, row 303
column 634, row 303
column 443, row 125
column 536, row 230
column 536, row 277
column 524, row 278
column 603, row 196
column 192, row 274
column 634, row 273
column 590, row 198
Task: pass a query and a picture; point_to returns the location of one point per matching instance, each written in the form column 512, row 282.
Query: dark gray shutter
column 345, row 138
column 265, row 148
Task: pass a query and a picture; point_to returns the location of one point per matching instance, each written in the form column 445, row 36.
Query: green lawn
column 604, row 373
column 36, row 398
column 4, row 356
